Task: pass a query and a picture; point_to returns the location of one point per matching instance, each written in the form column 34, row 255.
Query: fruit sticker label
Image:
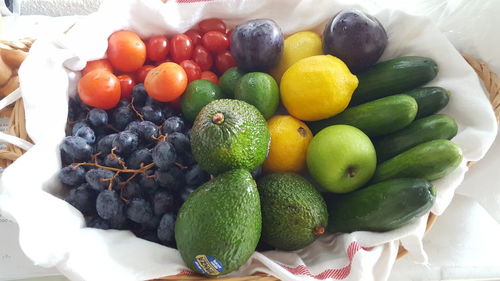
column 208, row 265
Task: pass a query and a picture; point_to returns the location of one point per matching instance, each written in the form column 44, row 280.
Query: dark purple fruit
column 358, row 39
column 257, row 45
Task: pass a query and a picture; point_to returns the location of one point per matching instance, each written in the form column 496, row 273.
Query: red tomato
column 194, row 35
column 224, row 61
column 193, row 71
column 127, row 83
column 210, row 76
column 229, row 34
column 95, row 64
column 212, row 25
column 141, row 73
column 181, row 48
column 166, row 82
column 215, row 41
column 99, row 88
column 157, row 48
column 202, row 57
column 126, row 51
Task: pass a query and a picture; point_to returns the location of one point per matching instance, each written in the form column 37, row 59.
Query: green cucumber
column 430, row 160
column 376, row 118
column 429, row 99
column 438, row 126
column 393, row 77
column 380, row 207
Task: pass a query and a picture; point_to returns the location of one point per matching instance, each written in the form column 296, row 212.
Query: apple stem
column 351, row 172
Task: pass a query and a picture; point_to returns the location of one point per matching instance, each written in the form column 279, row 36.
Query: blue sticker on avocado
column 208, row 265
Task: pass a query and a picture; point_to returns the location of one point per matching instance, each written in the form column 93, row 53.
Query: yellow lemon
column 317, row 87
column 296, row 47
column 289, row 141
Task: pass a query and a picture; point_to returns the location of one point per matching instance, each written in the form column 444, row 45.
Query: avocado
column 294, row 214
column 229, row 134
column 219, row 225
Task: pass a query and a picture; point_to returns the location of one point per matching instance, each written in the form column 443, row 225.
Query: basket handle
column 9, row 99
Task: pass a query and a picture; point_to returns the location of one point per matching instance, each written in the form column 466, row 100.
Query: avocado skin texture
column 291, row 210
column 241, row 140
column 221, row 219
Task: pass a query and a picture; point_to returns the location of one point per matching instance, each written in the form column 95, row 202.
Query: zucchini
column 429, row 99
column 438, row 126
column 393, row 77
column 430, row 160
column 380, row 207
column 376, row 118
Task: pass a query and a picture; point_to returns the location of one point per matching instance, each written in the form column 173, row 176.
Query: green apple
column 341, row 158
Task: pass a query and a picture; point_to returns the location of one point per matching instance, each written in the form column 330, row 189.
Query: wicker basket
column 17, row 126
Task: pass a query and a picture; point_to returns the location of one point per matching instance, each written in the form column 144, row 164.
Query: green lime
column 228, row 80
column 198, row 94
column 260, row 90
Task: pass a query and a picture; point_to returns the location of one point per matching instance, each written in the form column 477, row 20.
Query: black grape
column 131, row 190
column 166, row 228
column 139, row 156
column 108, row 204
column 99, row 179
column 105, row 144
column 163, row 202
column 122, row 116
column 180, row 141
column 172, row 179
column 139, row 210
column 72, row 175
column 139, row 95
column 148, row 131
column 173, row 124
column 82, row 198
column 125, row 142
column 163, row 155
column 87, row 134
column 98, row 117
column 114, row 161
column 153, row 114
column 75, row 149
column 195, row 176
column 77, row 126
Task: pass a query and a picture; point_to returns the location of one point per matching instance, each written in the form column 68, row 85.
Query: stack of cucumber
column 412, row 143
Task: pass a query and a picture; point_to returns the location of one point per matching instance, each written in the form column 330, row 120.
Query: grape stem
column 136, row 111
column 140, row 170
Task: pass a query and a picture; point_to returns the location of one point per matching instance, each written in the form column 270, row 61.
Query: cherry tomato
column 210, row 76
column 229, row 34
column 99, row 88
column 166, row 82
column 95, row 64
column 127, row 83
column 141, row 73
column 202, row 57
column 126, row 51
column 193, row 70
column 224, row 61
column 215, row 41
column 157, row 48
column 181, row 48
column 212, row 25
column 194, row 35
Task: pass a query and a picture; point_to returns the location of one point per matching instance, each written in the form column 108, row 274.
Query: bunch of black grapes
column 131, row 167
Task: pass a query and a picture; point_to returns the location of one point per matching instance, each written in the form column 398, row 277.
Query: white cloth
column 53, row 235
